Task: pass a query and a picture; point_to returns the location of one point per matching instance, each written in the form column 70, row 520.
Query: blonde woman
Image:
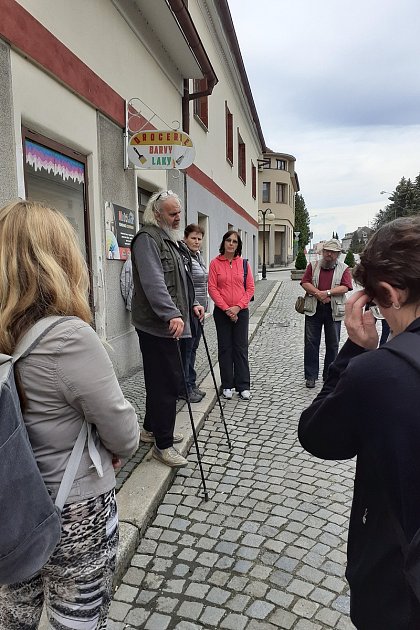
column 66, row 379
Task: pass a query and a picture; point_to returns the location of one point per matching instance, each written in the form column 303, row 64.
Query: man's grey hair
column 154, row 205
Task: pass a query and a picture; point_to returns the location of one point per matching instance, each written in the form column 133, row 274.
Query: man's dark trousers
column 163, row 379
column 232, row 342
column 313, row 329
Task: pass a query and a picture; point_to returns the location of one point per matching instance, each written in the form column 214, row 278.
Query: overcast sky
column 337, row 84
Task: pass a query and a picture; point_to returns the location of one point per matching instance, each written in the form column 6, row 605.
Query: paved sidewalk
column 142, row 482
column 268, row 548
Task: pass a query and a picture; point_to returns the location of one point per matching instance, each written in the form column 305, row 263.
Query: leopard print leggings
column 76, row 582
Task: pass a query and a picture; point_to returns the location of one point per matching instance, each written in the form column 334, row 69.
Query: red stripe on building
column 206, row 182
column 26, row 34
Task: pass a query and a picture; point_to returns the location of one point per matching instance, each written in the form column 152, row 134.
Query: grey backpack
column 30, row 523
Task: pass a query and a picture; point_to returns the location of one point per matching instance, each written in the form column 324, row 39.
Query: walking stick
column 222, row 415
column 206, row 495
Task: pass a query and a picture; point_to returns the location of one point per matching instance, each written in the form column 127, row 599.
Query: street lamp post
column 271, row 217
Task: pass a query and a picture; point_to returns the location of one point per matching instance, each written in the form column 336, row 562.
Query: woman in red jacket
column 231, row 290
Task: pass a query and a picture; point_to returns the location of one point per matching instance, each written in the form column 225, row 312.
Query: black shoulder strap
column 245, row 263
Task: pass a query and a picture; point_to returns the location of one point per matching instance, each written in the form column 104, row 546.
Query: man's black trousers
column 164, row 381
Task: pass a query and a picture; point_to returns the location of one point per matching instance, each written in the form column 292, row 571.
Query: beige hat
column 333, row 245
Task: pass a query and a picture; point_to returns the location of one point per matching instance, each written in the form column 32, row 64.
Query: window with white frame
column 281, row 193
column 266, row 189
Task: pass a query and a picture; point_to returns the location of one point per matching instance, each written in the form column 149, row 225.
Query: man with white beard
column 326, row 281
column 161, row 308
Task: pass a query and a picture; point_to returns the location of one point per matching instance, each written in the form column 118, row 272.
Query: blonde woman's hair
column 42, row 270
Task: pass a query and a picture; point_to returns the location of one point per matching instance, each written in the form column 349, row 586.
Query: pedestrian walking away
column 231, row 315
column 162, row 310
column 65, row 381
column 193, row 238
column 326, row 282
column 368, row 408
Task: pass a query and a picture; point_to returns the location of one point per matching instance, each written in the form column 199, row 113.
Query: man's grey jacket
column 161, row 283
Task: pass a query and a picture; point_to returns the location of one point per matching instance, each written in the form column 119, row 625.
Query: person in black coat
column 369, row 409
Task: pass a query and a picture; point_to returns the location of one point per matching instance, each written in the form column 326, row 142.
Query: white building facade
column 67, row 71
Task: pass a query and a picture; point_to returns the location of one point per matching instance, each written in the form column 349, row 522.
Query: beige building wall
column 277, row 186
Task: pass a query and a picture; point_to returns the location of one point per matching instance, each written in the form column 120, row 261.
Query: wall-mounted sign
column 119, row 231
column 161, row 150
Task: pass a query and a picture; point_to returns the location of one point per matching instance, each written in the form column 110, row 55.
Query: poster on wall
column 119, row 231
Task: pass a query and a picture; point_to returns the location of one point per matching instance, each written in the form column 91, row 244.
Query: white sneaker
column 245, row 395
column 227, row 393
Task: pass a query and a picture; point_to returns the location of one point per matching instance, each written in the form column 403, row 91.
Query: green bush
column 349, row 259
column 301, row 262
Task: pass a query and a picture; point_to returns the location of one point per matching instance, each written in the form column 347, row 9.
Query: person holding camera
column 368, row 408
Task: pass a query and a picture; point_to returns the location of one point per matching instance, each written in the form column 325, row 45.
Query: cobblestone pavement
column 268, row 548
column 133, row 385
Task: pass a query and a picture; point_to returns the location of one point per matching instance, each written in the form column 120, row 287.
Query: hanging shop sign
column 161, row 150
column 119, row 231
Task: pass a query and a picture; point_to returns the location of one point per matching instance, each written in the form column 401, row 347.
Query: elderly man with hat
column 326, row 282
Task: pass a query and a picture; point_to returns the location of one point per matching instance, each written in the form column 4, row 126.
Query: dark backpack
column 30, row 523
column 245, row 261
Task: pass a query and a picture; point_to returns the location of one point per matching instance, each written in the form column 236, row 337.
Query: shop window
column 56, row 176
column 143, row 199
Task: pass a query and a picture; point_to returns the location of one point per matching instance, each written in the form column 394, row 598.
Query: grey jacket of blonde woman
column 200, row 277
column 67, row 378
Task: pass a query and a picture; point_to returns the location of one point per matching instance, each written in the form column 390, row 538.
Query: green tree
column 416, row 195
column 404, row 201
column 301, row 221
column 301, row 262
column 349, row 259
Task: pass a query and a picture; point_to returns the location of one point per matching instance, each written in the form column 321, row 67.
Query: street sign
column 161, row 150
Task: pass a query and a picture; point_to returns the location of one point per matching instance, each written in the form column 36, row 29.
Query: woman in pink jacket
column 231, row 290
